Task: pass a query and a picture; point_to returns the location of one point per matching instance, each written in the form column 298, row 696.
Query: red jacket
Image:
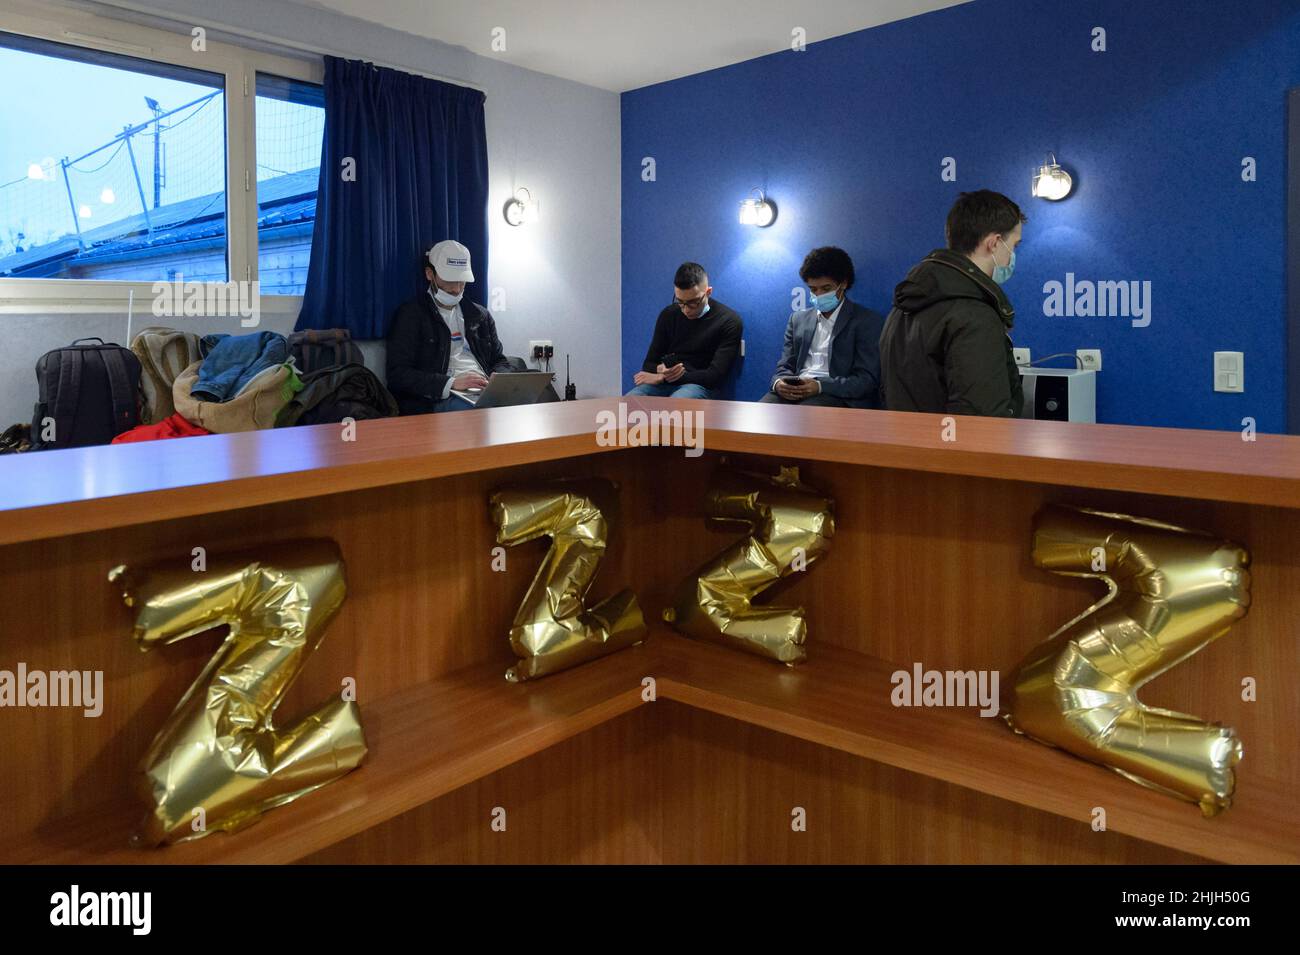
column 174, row 427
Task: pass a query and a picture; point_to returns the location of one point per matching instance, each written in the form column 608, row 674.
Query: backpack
column 314, row 349
column 329, row 395
column 164, row 353
column 91, row 391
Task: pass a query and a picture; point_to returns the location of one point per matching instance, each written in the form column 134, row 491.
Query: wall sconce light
column 521, row 207
column 760, row 212
column 1051, row 181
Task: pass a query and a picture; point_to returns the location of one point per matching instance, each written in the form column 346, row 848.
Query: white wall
column 560, row 276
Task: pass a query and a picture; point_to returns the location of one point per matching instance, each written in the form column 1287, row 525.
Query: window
column 131, row 155
column 114, row 170
column 290, row 133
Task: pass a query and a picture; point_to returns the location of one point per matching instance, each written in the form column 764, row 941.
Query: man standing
column 694, row 343
column 945, row 348
column 831, row 355
column 441, row 348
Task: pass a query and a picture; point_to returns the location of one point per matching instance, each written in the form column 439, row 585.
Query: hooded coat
column 946, row 348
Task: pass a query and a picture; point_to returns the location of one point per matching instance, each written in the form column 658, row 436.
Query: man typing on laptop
column 442, row 347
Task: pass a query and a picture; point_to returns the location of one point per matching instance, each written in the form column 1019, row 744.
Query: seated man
column 694, row 343
column 440, row 347
column 831, row 348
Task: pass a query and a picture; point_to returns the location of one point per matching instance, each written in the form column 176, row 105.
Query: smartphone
column 668, row 360
column 793, row 381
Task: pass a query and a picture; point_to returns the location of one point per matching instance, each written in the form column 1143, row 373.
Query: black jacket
column 854, row 358
column 419, row 349
column 945, row 348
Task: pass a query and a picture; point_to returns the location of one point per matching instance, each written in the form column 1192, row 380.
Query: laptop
column 506, row 388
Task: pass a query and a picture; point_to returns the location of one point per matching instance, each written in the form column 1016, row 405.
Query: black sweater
column 706, row 345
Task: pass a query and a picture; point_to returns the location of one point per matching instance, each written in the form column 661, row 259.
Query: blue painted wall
column 849, row 135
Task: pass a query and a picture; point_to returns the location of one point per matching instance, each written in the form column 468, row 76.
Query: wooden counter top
column 53, row 494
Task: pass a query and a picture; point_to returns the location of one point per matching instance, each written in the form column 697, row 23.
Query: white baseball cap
column 450, row 260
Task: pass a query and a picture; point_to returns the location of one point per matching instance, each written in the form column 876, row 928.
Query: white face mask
column 446, row 299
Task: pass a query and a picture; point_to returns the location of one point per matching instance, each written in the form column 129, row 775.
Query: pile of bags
column 174, row 384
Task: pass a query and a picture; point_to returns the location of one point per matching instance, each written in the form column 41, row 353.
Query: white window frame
column 240, row 67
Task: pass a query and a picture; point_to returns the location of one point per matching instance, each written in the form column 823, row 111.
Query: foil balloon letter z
column 218, row 762
column 791, row 526
column 553, row 629
column 1171, row 592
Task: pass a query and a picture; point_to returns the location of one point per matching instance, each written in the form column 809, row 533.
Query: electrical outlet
column 1090, row 358
column 1229, row 371
column 1021, row 355
column 537, row 349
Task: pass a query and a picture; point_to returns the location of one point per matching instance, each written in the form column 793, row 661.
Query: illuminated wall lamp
column 1051, row 181
column 760, row 212
column 521, row 207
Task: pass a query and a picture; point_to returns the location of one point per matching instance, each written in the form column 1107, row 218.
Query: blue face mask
column 827, row 302
column 704, row 311
column 1003, row 272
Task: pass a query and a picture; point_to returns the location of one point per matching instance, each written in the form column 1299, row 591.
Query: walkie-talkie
column 570, row 389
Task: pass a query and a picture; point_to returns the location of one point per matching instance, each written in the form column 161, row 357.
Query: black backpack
column 91, row 391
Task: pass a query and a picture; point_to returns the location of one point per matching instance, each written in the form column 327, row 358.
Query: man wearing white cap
column 442, row 348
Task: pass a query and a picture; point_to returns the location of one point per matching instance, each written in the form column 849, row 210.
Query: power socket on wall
column 1089, row 359
column 541, row 349
column 1021, row 355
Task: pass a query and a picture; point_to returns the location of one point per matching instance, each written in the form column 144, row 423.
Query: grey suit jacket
column 855, row 353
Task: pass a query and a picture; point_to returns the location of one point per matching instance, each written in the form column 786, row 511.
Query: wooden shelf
column 841, row 699
column 435, row 738
column 423, row 743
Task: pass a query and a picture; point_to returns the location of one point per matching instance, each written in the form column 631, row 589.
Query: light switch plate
column 1021, row 355
column 1089, row 359
column 1229, row 371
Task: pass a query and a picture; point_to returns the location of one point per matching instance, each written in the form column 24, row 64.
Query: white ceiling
column 624, row 44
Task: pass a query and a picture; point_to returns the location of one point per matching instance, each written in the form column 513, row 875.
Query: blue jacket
column 234, row 360
column 854, row 373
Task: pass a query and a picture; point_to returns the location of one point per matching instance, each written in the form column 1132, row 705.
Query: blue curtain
column 420, row 152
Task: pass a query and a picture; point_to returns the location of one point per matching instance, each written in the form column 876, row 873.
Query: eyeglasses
column 689, row 303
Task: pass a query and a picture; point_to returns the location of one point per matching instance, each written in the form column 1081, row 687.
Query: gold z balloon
column 1171, row 591
column 791, row 526
column 553, row 630
column 218, row 763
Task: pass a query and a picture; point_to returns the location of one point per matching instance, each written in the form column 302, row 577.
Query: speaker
column 1059, row 394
